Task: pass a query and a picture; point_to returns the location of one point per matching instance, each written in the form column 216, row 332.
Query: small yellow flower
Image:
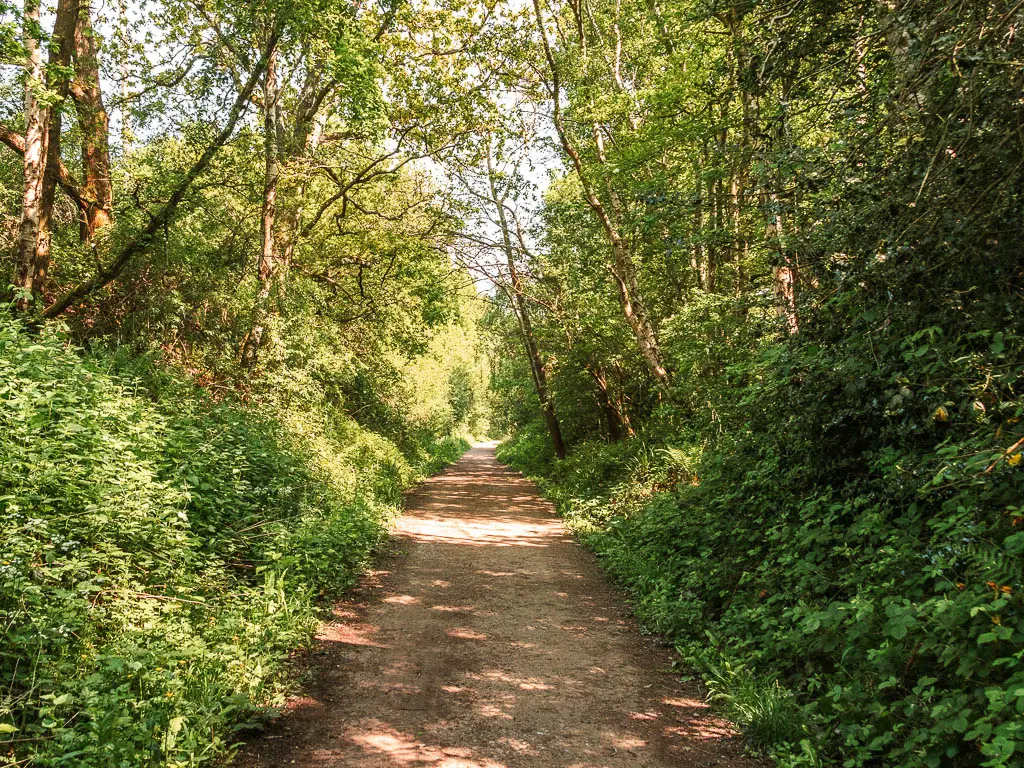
column 169, row 694
column 1014, row 460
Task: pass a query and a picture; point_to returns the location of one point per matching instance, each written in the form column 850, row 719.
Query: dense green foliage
column 163, row 552
column 768, row 295
column 238, row 338
column 821, row 507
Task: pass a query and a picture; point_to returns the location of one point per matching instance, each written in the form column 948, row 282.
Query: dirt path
column 490, row 640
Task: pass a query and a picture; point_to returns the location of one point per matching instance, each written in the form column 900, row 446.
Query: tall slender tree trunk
column 94, row 123
column 698, row 253
column 623, row 269
column 785, row 273
column 60, row 55
column 539, row 373
column 268, row 264
column 740, row 170
column 522, row 312
column 34, row 161
column 305, row 140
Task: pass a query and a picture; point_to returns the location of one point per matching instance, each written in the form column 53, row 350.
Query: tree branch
column 106, row 274
column 67, row 182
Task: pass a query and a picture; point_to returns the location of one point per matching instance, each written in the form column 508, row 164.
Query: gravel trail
column 489, row 639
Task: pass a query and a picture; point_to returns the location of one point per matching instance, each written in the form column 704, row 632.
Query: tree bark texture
column 60, row 55
column 94, row 124
column 34, row 158
column 269, row 267
column 622, row 268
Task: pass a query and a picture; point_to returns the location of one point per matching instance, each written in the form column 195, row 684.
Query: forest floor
column 487, row 638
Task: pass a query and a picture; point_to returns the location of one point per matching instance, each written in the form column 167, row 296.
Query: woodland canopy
column 740, row 281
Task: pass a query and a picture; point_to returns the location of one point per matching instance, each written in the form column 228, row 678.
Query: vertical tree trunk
column 60, row 55
column 268, row 263
column 34, row 163
column 613, row 418
column 94, row 124
column 740, row 170
column 785, row 275
column 698, row 253
column 522, row 312
column 305, row 138
column 539, row 374
column 711, row 258
column 623, row 269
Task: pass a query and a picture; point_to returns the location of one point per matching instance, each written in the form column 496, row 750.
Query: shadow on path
column 489, row 639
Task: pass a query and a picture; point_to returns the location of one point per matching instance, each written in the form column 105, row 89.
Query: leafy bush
column 162, row 553
column 864, row 551
column 766, row 712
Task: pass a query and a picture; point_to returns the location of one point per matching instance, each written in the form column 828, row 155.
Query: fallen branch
column 1005, row 454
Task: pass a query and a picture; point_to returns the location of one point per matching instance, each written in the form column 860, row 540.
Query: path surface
column 489, row 640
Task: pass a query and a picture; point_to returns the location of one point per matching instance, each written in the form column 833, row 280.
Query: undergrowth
column 848, row 582
column 162, row 553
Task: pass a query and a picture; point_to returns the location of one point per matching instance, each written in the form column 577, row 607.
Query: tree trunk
column 522, row 312
column 622, row 267
column 94, row 124
column 139, row 242
column 539, row 376
column 34, row 162
column 613, row 418
column 306, row 135
column 785, row 274
column 268, row 265
column 60, row 57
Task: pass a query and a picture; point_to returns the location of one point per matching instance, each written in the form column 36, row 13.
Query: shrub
column 162, row 553
column 860, row 560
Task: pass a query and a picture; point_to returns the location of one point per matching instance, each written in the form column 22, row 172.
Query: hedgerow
column 845, row 563
column 162, row 554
